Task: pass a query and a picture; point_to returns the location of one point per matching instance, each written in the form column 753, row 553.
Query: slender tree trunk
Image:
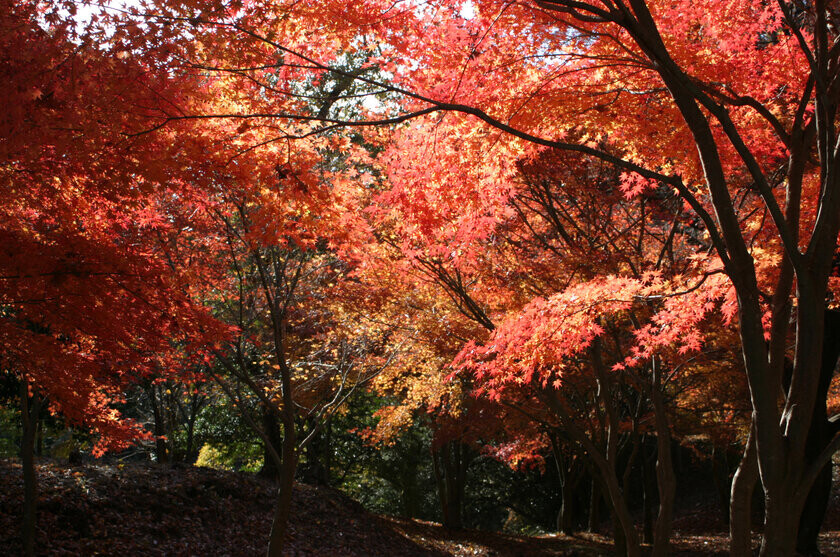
column 740, row 502
column 569, row 475
column 196, row 402
column 566, row 522
column 39, row 429
column 594, row 506
column 450, row 462
column 565, row 518
column 316, row 468
column 607, row 461
column 455, row 485
column 327, row 455
column 410, row 494
column 271, row 469
column 282, row 509
column 622, row 519
column 190, row 453
column 438, row 469
column 29, row 412
column 650, row 496
column 666, row 483
column 161, row 454
column 720, row 475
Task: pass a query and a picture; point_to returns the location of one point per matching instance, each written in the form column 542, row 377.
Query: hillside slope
column 149, row 510
column 155, row 510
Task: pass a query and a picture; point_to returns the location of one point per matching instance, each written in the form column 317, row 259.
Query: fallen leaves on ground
column 150, row 510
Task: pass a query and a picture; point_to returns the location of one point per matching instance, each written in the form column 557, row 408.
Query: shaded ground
column 146, row 510
column 138, row 510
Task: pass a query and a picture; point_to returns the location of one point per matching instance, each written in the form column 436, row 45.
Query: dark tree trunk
column 821, row 432
column 570, row 473
column 594, row 507
column 566, row 522
column 196, row 403
column 190, row 454
column 450, row 462
column 814, row 513
column 723, row 484
column 650, row 498
column 30, row 410
column 270, row 468
column 780, row 524
column 624, row 532
column 619, row 537
column 666, row 482
column 289, row 458
column 410, row 492
column 316, row 468
column 39, row 446
column 161, row 453
column 327, row 454
column 282, row 509
column 740, row 502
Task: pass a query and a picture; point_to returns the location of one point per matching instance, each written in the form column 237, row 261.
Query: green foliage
column 220, row 427
column 519, row 501
column 222, row 457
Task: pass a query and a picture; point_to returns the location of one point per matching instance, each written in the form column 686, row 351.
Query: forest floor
column 148, row 510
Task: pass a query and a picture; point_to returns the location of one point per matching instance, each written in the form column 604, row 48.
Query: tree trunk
column 39, row 429
column 740, row 502
column 820, row 435
column 29, row 412
column 190, row 455
column 814, row 513
column 568, row 471
column 566, row 517
column 195, row 406
column 450, row 463
column 594, row 507
column 438, row 470
column 271, row 469
column 723, row 486
column 619, row 537
column 315, row 469
column 409, row 493
column 159, row 426
column 327, row 455
column 650, row 497
column 282, row 510
column 816, row 504
column 781, row 522
column 625, row 529
column 666, row 483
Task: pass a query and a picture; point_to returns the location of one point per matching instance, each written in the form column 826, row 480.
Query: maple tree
column 681, row 61
column 548, row 230
column 264, row 246
column 88, row 304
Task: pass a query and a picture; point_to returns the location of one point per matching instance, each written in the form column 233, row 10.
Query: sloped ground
column 147, row 510
column 136, row 510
